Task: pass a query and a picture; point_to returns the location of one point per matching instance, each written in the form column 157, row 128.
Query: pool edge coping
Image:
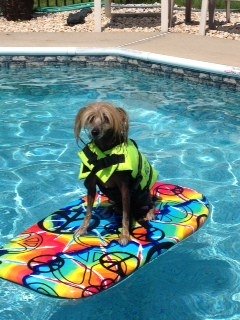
column 225, row 70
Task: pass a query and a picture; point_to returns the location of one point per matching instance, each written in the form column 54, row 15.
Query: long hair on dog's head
column 104, row 122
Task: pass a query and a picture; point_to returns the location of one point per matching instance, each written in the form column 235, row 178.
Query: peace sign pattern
column 50, row 259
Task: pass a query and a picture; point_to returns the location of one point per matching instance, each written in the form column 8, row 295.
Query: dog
column 78, row 17
column 113, row 163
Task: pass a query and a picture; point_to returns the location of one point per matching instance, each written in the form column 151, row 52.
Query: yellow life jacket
column 123, row 157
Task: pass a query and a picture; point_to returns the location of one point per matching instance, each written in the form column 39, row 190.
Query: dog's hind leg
column 150, row 215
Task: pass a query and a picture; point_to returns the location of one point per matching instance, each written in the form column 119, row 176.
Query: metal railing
column 58, row 3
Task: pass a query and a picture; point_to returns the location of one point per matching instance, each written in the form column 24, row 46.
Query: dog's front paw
column 124, row 239
column 80, row 231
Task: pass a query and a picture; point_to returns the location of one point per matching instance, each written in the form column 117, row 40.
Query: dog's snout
column 95, row 132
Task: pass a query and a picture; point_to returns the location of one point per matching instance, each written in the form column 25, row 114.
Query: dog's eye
column 105, row 118
column 91, row 120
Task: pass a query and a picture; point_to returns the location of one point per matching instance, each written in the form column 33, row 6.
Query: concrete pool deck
column 187, row 46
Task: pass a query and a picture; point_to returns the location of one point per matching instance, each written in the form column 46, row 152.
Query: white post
column 97, row 15
column 228, row 11
column 203, row 19
column 164, row 15
column 108, row 12
column 170, row 12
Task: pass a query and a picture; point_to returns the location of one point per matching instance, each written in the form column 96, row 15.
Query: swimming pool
column 190, row 132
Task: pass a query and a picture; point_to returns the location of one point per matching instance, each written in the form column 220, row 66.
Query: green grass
column 196, row 3
column 219, row 4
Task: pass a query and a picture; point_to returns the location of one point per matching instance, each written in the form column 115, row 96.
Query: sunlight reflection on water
column 191, row 135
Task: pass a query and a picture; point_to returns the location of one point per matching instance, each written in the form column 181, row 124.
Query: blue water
column 190, row 132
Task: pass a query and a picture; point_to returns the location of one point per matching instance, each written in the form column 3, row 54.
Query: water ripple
column 189, row 132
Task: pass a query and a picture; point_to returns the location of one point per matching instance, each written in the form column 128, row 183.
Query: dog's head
column 103, row 122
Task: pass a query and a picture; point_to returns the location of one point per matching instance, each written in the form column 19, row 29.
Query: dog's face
column 103, row 123
column 99, row 126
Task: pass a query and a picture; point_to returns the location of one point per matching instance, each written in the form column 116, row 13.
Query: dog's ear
column 125, row 122
column 79, row 123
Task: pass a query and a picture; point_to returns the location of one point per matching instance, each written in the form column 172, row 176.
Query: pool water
column 190, row 133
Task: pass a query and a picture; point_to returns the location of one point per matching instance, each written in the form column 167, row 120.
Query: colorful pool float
column 48, row 258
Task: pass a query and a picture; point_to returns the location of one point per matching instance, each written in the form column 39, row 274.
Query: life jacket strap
column 139, row 176
column 103, row 163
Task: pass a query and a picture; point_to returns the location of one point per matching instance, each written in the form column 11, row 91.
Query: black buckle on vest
column 108, row 161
